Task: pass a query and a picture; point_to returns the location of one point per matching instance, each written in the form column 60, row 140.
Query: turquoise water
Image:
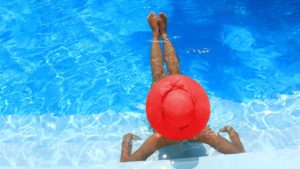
column 74, row 75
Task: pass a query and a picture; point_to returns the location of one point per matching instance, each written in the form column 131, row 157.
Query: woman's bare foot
column 153, row 24
column 162, row 24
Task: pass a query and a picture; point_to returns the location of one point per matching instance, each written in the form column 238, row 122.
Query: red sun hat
column 177, row 107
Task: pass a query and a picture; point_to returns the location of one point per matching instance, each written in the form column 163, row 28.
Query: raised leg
column 156, row 58
column 169, row 51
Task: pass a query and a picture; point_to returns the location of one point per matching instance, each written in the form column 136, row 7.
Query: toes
column 162, row 21
column 162, row 16
column 152, row 19
column 151, row 15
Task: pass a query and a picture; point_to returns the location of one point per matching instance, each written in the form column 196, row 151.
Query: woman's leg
column 156, row 58
column 170, row 55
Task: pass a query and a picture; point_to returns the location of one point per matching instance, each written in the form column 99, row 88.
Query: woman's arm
column 153, row 143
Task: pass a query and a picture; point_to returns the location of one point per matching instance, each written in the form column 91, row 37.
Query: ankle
column 155, row 36
column 164, row 36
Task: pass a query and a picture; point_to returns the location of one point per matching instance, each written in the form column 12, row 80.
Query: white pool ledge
column 280, row 159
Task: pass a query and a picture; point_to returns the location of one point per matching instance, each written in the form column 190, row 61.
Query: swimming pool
column 74, row 75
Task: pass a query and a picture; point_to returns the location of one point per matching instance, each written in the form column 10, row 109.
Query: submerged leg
column 156, row 58
column 170, row 55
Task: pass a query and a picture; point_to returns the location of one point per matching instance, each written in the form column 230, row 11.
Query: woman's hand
column 127, row 146
column 234, row 138
column 127, row 138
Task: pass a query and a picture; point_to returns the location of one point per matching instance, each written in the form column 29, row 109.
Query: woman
column 160, row 138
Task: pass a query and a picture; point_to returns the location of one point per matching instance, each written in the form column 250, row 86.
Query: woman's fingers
column 130, row 136
column 226, row 128
column 135, row 137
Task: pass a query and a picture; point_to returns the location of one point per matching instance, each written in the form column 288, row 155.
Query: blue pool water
column 74, row 75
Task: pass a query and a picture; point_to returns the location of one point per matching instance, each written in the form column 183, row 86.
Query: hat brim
column 201, row 109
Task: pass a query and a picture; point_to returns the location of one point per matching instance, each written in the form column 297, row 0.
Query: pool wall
column 280, row 159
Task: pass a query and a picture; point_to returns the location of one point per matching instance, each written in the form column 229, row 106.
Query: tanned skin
column 156, row 141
